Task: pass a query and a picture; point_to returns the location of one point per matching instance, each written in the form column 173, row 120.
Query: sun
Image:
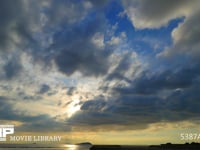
column 73, row 107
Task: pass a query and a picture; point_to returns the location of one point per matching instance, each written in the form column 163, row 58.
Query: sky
column 107, row 72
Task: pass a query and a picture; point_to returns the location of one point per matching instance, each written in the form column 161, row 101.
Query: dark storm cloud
column 95, row 113
column 10, row 12
column 12, row 68
column 144, row 101
column 71, row 34
column 94, row 105
column 79, row 53
column 26, row 97
column 42, row 123
column 16, row 27
column 6, row 110
column 96, row 119
column 6, row 87
column 2, row 99
column 44, row 88
column 137, row 111
column 71, row 90
column 185, row 100
column 151, row 83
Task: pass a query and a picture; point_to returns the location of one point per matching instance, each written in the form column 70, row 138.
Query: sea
column 60, row 147
column 43, row 147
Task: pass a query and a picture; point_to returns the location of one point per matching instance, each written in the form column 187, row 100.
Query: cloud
column 157, row 13
column 71, row 90
column 125, row 68
column 94, row 105
column 4, row 105
column 49, row 44
column 12, row 68
column 151, row 97
column 73, row 41
column 16, row 28
column 98, row 40
column 68, row 11
column 185, row 39
column 151, row 83
column 65, row 40
column 146, row 14
column 185, row 101
column 6, row 110
column 28, row 97
column 124, row 112
column 44, row 89
column 79, row 53
column 40, row 122
column 138, row 111
column 10, row 13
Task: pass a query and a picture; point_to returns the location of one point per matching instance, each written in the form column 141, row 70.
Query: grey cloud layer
column 77, row 54
column 186, row 38
column 157, row 13
column 18, row 21
column 136, row 109
column 12, row 68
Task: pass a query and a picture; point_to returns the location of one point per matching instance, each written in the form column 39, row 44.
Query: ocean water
column 60, row 147
column 43, row 147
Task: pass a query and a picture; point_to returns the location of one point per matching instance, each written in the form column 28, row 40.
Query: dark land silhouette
column 84, row 143
column 168, row 146
column 186, row 146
